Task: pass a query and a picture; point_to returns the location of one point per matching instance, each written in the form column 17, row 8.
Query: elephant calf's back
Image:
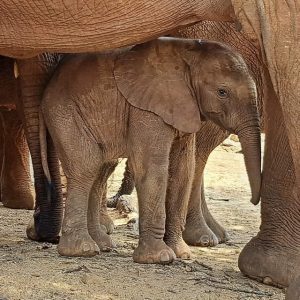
column 83, row 92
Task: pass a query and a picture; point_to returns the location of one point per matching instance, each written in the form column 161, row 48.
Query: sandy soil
column 30, row 270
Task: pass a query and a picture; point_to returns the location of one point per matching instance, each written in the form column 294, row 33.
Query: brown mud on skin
column 30, row 270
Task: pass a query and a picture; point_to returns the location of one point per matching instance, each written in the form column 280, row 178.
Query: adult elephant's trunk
column 250, row 140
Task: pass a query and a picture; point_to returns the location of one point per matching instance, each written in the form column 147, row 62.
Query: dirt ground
column 30, row 270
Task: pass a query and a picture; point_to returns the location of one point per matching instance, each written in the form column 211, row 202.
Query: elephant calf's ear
column 152, row 77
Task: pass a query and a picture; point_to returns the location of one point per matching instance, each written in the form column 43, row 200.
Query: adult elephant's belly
column 87, row 26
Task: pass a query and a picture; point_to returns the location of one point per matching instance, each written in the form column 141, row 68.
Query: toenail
column 164, row 256
column 86, row 247
column 185, row 256
column 204, row 240
column 267, row 280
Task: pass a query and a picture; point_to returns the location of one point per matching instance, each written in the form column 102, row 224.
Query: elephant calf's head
column 225, row 91
column 188, row 81
column 226, row 94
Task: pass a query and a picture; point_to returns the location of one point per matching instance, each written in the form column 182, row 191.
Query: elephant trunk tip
column 255, row 200
column 250, row 140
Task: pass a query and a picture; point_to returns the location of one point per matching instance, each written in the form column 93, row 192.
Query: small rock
column 267, row 280
column 234, row 138
column 46, row 246
column 124, row 204
column 133, row 224
column 84, row 278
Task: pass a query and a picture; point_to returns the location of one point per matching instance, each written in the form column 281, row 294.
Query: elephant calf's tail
column 43, row 143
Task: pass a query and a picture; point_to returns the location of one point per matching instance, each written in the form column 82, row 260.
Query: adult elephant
column 15, row 179
column 272, row 26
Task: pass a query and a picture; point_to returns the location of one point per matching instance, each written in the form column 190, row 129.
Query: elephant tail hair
column 43, row 143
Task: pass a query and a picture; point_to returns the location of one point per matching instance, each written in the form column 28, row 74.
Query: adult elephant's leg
column 14, row 160
column 273, row 255
column 181, row 171
column 280, row 38
column 293, row 291
column 197, row 232
column 126, row 187
column 33, row 76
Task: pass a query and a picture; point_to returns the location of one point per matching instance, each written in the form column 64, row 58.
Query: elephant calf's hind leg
column 75, row 239
column 181, row 172
column 201, row 229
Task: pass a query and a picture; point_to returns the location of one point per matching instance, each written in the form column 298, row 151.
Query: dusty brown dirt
column 30, row 270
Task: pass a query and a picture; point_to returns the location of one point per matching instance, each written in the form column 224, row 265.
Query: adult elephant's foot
column 77, row 243
column 197, row 233
column 31, row 232
column 33, row 235
column 102, row 239
column 18, row 200
column 269, row 262
column 153, row 251
column 293, row 291
column 180, row 248
column 107, row 224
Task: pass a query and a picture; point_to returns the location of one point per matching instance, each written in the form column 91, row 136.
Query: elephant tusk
column 16, row 70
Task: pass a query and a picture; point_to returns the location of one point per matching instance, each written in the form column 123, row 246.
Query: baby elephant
column 145, row 103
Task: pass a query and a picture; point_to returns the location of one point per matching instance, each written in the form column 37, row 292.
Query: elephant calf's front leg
column 149, row 160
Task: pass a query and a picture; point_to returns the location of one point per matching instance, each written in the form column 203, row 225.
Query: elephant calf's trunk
column 250, row 141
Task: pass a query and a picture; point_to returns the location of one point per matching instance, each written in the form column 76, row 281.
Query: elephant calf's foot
column 181, row 249
column 102, row 239
column 217, row 229
column 153, row 251
column 199, row 234
column 269, row 263
column 77, row 243
column 107, row 224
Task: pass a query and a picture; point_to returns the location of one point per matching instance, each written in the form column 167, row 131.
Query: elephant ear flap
column 154, row 77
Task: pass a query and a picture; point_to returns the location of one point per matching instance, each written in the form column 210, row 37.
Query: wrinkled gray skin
column 101, row 107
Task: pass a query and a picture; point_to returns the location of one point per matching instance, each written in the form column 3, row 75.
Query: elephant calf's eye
column 222, row 93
